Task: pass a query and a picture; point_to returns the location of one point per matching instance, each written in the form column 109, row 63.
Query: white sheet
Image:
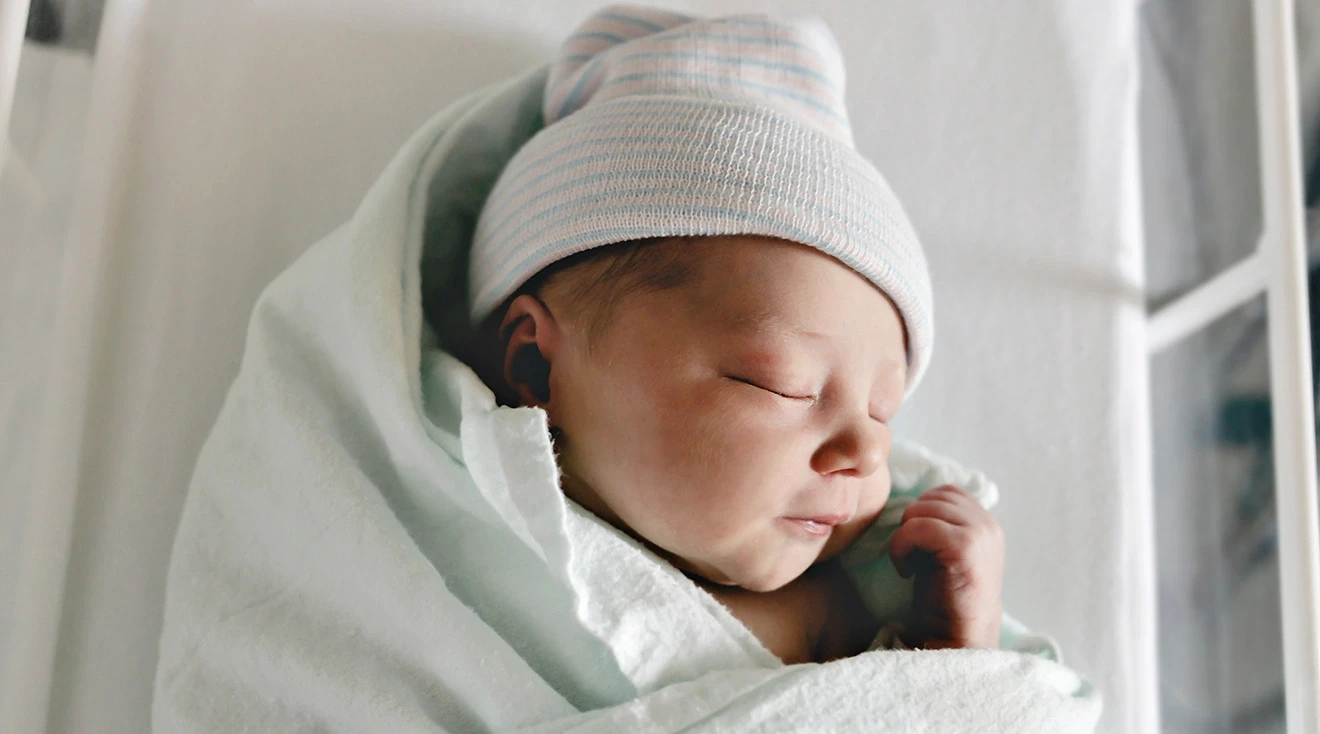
column 249, row 129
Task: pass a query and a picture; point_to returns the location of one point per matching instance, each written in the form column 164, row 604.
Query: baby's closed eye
column 775, row 387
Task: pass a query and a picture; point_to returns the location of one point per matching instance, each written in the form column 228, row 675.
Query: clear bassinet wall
column 1221, row 649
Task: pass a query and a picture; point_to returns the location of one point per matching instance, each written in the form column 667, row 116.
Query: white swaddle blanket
column 371, row 544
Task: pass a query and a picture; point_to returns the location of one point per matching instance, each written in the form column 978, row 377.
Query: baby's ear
column 531, row 339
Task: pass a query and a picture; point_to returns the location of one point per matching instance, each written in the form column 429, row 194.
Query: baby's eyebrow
column 768, row 323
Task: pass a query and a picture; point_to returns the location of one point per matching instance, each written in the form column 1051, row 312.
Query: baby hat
column 658, row 124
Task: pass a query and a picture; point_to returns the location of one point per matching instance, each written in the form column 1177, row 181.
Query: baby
column 721, row 307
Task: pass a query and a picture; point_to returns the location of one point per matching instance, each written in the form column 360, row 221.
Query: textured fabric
column 371, row 544
column 661, row 125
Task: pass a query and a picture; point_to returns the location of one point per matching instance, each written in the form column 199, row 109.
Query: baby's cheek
column 714, row 475
column 674, row 470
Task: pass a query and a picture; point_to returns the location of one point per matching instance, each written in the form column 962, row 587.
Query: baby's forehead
column 764, row 278
column 770, row 285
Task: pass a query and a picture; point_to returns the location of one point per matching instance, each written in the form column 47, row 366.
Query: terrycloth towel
column 371, row 544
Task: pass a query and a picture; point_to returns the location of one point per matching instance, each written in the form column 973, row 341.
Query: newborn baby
column 727, row 401
column 721, row 307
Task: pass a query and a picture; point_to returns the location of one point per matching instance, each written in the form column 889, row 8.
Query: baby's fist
column 955, row 550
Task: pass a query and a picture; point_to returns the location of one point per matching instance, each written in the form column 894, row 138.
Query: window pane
column 1221, row 659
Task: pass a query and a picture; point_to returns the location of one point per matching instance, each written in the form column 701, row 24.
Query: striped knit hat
column 658, row 124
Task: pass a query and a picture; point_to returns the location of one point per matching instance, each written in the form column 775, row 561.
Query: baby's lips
column 830, row 519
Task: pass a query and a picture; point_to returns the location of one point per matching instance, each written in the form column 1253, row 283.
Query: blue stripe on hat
column 596, row 132
column 879, row 221
column 579, row 208
column 586, row 149
column 714, row 79
column 610, row 38
column 811, row 74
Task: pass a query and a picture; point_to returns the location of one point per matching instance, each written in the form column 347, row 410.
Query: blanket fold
column 370, row 543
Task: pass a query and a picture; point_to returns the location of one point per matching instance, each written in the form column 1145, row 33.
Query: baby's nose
column 857, row 450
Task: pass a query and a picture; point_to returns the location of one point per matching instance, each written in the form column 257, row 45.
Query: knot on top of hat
column 794, row 67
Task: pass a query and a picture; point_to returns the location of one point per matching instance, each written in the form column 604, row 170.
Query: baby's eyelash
column 775, row 392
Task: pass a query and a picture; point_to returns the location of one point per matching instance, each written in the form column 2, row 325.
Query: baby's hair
column 594, row 282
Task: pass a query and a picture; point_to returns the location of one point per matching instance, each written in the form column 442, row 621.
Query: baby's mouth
column 816, row 526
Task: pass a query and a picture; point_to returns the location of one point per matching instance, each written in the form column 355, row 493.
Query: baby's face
column 739, row 423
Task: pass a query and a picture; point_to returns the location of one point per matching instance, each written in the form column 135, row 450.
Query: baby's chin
column 772, row 583
column 768, row 566
column 759, row 579
column 786, row 570
column 773, row 564
column 770, row 577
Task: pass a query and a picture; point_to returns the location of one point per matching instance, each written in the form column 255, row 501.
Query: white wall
column 46, row 128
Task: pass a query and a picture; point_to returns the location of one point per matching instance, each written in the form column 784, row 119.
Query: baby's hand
column 955, row 548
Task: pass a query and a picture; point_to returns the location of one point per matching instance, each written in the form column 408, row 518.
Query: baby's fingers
column 927, row 534
column 940, row 508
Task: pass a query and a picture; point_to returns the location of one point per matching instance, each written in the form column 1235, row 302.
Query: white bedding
column 249, row 129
